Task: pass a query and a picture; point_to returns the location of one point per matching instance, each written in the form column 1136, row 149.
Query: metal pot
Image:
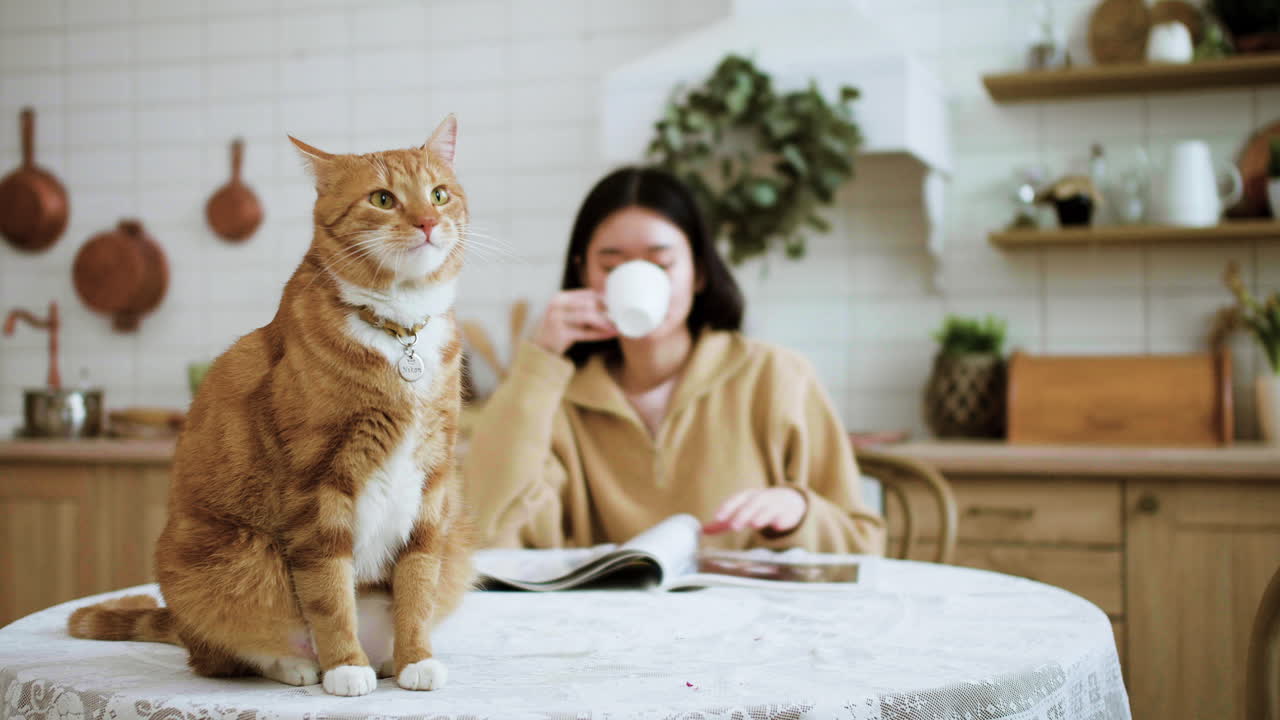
column 62, row 413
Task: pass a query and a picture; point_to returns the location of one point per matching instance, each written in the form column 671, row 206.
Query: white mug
column 1190, row 194
column 636, row 295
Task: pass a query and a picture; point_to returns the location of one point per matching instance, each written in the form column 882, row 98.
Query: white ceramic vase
column 1268, row 389
column 1273, row 195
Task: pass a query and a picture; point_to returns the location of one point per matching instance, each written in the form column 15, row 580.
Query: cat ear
column 444, row 140
column 313, row 155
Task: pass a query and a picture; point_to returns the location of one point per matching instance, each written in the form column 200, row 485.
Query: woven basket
column 965, row 396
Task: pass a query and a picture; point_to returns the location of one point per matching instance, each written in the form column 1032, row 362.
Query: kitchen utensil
column 145, row 422
column 51, row 323
column 1170, row 42
column 479, row 341
column 233, row 211
column 1189, row 193
column 123, row 273
column 1182, row 12
column 62, row 413
column 1121, row 399
column 1253, row 170
column 33, row 204
column 1130, row 194
column 1118, row 31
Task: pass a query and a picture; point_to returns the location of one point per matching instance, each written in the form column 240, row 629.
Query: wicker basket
column 965, row 396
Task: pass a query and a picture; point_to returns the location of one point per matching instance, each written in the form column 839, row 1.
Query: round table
column 914, row 641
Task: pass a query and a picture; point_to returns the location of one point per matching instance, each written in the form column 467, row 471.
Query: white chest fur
column 388, row 505
column 387, row 509
column 406, row 307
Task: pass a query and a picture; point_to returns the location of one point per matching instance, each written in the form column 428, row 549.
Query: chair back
column 895, row 473
column 1262, row 684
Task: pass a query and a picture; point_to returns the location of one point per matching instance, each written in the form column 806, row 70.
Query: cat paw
column 429, row 674
column 350, row 680
column 294, row 671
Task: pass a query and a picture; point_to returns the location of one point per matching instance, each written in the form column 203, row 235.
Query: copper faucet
column 50, row 324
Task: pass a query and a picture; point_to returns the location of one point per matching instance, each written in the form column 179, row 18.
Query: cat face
column 395, row 216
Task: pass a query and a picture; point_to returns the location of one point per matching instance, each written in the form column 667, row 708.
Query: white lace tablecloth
column 919, row 641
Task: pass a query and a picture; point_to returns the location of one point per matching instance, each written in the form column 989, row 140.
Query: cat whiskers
column 350, row 254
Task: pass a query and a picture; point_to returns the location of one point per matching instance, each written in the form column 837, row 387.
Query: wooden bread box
column 1129, row 400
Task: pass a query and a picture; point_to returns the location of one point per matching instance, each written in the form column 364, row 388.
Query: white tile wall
column 137, row 100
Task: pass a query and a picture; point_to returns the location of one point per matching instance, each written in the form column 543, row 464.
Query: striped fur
column 304, row 448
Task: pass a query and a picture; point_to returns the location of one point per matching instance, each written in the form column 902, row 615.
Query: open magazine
column 666, row 556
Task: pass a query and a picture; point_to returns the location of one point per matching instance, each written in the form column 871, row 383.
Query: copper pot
column 33, row 204
column 123, row 273
column 234, row 212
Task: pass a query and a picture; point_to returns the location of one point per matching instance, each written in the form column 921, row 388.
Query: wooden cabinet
column 71, row 527
column 1176, row 546
column 1199, row 556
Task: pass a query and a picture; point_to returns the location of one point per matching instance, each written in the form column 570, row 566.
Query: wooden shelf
column 1137, row 235
column 1260, row 69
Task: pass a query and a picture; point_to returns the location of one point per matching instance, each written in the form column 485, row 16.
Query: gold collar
column 396, row 331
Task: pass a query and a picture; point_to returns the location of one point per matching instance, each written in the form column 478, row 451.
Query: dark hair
column 718, row 305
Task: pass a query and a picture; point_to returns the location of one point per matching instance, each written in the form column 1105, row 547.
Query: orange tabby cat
column 314, row 504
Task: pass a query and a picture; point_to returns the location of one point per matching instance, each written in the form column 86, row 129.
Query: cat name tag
column 411, row 367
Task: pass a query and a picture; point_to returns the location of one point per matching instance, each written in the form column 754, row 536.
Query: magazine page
column 536, row 566
column 663, row 551
column 672, row 543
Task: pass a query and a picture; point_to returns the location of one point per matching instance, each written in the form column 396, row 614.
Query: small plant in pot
column 965, row 393
column 1262, row 319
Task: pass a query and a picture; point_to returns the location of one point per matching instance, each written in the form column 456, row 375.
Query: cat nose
column 426, row 225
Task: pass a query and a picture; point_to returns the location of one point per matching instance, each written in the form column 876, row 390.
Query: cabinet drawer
column 1018, row 510
column 1095, row 575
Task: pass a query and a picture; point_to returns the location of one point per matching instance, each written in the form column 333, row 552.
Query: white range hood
column 901, row 109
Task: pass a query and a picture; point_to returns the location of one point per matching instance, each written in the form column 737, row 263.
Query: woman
column 595, row 437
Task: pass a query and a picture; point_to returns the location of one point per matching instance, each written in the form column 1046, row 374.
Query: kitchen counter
column 96, row 450
column 1242, row 461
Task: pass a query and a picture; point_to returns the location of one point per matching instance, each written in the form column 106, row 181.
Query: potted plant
column 1262, row 318
column 1273, row 178
column 762, row 163
column 965, row 393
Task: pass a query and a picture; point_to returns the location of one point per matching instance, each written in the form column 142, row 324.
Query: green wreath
column 761, row 163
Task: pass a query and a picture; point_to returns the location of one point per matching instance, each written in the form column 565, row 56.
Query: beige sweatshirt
column 558, row 457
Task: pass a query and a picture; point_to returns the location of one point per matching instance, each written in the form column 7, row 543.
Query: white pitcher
column 1190, row 193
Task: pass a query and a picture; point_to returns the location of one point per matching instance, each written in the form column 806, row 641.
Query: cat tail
column 136, row 617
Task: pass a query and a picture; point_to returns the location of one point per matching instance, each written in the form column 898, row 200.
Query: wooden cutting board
column 1136, row 400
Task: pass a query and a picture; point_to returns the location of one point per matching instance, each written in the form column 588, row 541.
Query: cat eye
column 382, row 199
column 439, row 196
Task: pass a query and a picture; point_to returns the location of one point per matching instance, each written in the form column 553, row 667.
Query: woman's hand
column 573, row 316
column 779, row 508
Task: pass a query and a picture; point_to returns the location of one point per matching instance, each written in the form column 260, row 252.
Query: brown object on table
column 1254, row 158
column 233, row 211
column 146, row 422
column 123, row 273
column 476, row 337
column 1139, row 400
column 1180, row 11
column 33, row 204
column 519, row 313
column 51, row 323
column 1118, row 31
column 895, row 474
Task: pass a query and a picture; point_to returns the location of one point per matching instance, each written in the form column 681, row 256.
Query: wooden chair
column 1262, row 684
column 894, row 473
